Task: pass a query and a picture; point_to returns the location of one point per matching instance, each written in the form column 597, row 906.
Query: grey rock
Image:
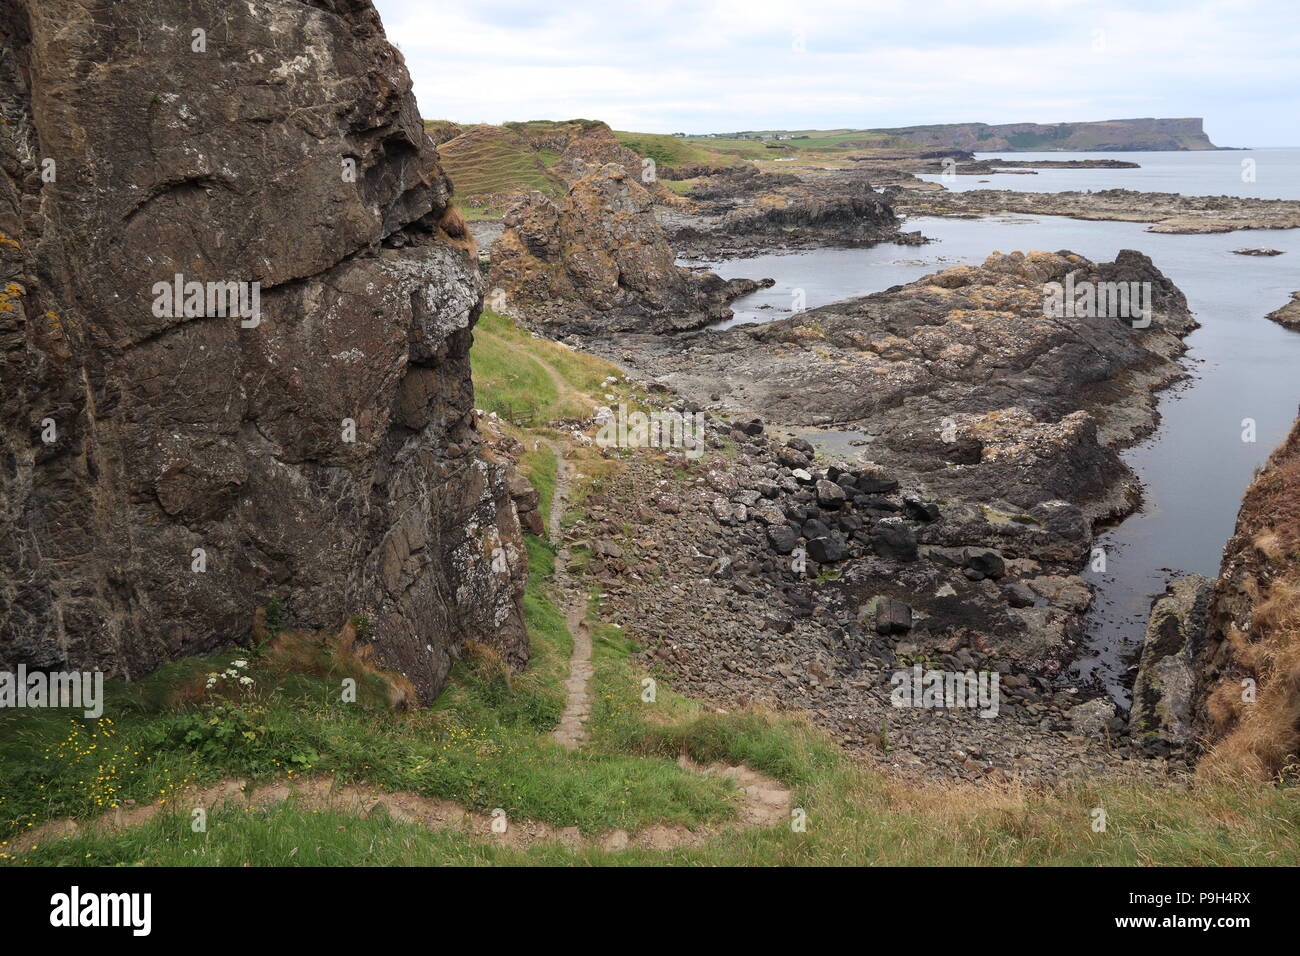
column 894, row 538
column 1092, row 718
column 1169, row 671
column 829, row 494
column 893, row 616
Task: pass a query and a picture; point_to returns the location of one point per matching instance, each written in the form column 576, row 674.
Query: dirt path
column 571, row 733
column 763, row 803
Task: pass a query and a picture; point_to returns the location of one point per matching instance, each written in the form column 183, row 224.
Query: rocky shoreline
column 1167, row 212
column 1289, row 315
column 908, row 478
column 741, row 212
column 693, row 559
column 954, row 535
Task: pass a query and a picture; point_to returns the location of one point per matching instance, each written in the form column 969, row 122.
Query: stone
column 1020, row 594
column 782, row 538
column 894, row 538
column 1092, row 719
column 920, row 509
column 875, row 483
column 892, row 616
column 791, row 457
column 1168, row 680
column 985, row 561
column 825, row 550
column 605, row 548
column 829, row 494
column 723, row 482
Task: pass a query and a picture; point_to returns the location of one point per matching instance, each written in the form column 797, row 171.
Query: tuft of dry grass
column 286, row 651
column 1265, row 735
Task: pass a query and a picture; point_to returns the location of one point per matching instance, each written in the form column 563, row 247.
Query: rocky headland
column 740, row 211
column 1289, row 314
column 1121, row 135
column 597, row 261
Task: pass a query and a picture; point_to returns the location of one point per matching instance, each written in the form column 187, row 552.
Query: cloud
column 722, row 65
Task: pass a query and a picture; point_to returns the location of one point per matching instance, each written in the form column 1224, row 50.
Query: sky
column 701, row 66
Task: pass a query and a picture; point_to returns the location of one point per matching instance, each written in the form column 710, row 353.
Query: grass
column 510, row 367
column 489, row 160
column 669, row 151
column 855, row 814
column 539, row 465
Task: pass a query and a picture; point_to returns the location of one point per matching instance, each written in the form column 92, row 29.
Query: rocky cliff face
column 170, row 461
column 598, row 260
column 1249, row 698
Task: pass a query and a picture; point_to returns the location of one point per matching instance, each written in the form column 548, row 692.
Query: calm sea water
column 1196, row 467
column 1275, row 172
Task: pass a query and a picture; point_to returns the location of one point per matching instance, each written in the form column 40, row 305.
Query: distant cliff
column 1103, row 135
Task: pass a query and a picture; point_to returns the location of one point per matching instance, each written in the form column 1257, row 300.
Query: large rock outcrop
column 740, row 211
column 164, row 470
column 597, row 260
column 1289, row 314
column 1146, row 133
column 960, row 367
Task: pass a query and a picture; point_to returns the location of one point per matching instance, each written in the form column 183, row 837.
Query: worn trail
column 571, row 733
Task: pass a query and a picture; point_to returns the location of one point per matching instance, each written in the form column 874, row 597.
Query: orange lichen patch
column 804, row 334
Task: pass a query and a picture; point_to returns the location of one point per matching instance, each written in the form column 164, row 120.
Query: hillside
column 487, row 162
column 493, row 167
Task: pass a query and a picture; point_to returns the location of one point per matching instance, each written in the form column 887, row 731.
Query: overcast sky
column 701, row 66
